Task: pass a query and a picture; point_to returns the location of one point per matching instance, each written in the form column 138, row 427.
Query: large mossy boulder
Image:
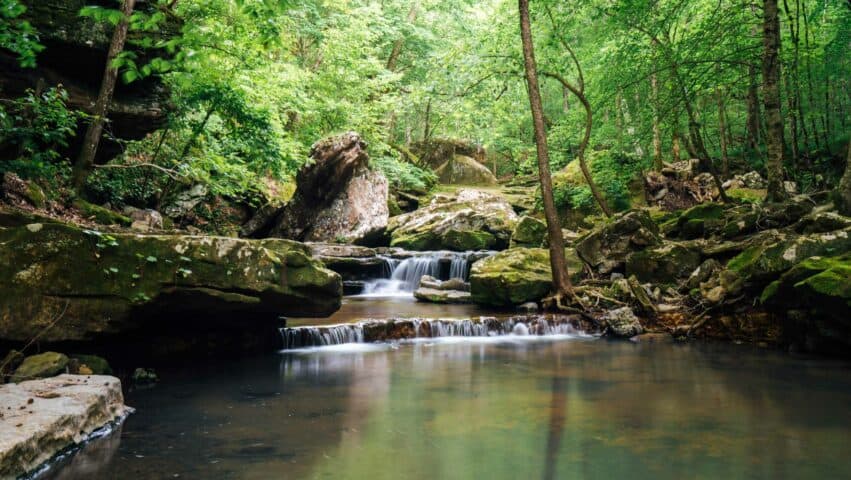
column 529, row 232
column 463, row 170
column 517, row 276
column 84, row 284
column 469, row 220
column 607, row 247
column 666, row 263
column 815, row 298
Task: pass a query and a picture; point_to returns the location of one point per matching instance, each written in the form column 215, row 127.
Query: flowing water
column 495, row 407
column 402, row 276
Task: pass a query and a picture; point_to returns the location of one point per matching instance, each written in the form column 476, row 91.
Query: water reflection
column 570, row 409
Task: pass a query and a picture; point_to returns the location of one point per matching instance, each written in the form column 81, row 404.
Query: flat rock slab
column 40, row 418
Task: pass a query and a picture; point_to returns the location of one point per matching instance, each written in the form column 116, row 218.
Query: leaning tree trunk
column 843, row 190
column 771, row 98
column 558, row 264
column 93, row 133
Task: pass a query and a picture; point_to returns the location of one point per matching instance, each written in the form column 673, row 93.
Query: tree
column 843, row 190
column 558, row 263
column 771, row 99
column 91, row 140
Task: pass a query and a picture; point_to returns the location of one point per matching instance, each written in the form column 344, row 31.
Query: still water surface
column 491, row 409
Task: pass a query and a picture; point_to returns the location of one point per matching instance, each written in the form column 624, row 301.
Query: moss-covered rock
column 102, row 284
column 468, row 220
column 606, row 248
column 529, row 232
column 517, row 276
column 820, row 286
column 101, row 215
column 43, row 365
column 663, row 264
column 767, row 261
column 97, row 365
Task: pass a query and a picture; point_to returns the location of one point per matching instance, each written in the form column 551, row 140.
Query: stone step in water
column 369, row 331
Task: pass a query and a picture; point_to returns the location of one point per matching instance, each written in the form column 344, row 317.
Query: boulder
column 702, row 273
column 20, row 192
column 146, row 220
column 667, row 263
column 337, row 198
column 820, row 222
column 463, row 170
column 468, row 220
column 435, row 152
column 45, row 417
column 97, row 365
column 433, row 295
column 186, row 200
column 606, row 248
column 517, row 276
column 529, row 232
column 622, row 323
column 820, row 287
column 43, row 365
column 92, row 284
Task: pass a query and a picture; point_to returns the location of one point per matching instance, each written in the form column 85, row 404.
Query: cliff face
column 75, row 57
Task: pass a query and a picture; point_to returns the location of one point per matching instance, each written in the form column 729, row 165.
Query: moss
column 416, row 241
column 98, row 365
column 103, row 216
column 464, row 240
column 517, row 276
column 393, row 206
column 746, row 195
column 43, row 365
column 663, row 264
column 529, row 232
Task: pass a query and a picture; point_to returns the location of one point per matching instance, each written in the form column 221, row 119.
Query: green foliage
column 32, row 130
column 17, row 35
column 613, row 171
column 405, row 176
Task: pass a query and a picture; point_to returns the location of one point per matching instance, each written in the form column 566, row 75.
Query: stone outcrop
column 47, row 416
column 517, row 276
column 437, row 151
column 43, row 365
column 606, row 248
column 75, row 56
column 464, row 170
column 667, row 263
column 468, row 220
column 337, row 197
column 69, row 284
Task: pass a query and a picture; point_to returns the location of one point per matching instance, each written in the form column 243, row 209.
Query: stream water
column 496, row 402
column 489, row 407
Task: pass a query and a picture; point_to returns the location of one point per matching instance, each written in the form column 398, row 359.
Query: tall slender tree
column 91, row 140
column 558, row 263
column 771, row 98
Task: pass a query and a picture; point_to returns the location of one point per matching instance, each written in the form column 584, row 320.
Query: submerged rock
column 468, row 220
column 49, row 415
column 517, row 276
column 89, row 285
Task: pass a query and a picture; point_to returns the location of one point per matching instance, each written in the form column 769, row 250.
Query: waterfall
column 407, row 329
column 402, row 276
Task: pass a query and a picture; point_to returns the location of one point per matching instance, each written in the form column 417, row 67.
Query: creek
column 466, row 393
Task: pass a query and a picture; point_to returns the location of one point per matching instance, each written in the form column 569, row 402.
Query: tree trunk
column 558, row 264
column 753, row 113
column 426, row 132
column 91, row 140
column 657, row 134
column 400, row 42
column 771, row 94
column 843, row 190
column 722, row 129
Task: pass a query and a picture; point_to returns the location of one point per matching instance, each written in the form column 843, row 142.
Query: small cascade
column 408, row 329
column 402, row 276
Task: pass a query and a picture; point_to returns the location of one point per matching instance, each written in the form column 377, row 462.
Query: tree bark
column 771, row 99
column 91, row 140
column 657, row 133
column 400, row 42
column 722, row 128
column 843, row 190
column 558, row 264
